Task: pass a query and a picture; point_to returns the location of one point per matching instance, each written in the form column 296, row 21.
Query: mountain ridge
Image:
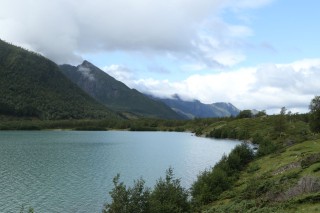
column 115, row 94
column 196, row 109
column 33, row 86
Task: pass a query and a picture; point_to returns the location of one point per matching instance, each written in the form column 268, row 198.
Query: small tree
column 128, row 200
column 119, row 197
column 245, row 114
column 169, row 196
column 280, row 125
column 261, row 113
column 315, row 114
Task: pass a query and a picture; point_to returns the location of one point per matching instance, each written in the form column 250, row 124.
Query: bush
column 210, row 184
column 168, row 196
column 266, row 146
column 312, row 159
column 128, row 200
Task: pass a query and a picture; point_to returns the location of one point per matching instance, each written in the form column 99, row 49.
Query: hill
column 196, row 109
column 33, row 86
column 276, row 170
column 283, row 176
column 115, row 94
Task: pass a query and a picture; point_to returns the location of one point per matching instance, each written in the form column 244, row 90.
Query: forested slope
column 33, row 86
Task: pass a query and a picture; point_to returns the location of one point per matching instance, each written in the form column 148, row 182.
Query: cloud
column 119, row 72
column 86, row 72
column 268, row 87
column 64, row 30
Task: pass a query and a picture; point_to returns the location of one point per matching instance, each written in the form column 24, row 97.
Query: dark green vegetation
column 196, row 109
column 315, row 114
column 282, row 175
column 23, row 210
column 167, row 197
column 33, row 86
column 115, row 94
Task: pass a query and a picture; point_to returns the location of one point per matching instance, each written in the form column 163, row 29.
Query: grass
column 260, row 184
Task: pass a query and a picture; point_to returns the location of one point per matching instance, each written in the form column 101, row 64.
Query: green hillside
column 115, row 94
column 33, row 86
column 284, row 176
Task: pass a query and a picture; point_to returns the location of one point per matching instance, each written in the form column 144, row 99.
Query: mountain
column 31, row 85
column 115, row 94
column 196, row 109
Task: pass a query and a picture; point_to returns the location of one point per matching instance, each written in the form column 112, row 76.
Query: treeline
column 12, row 123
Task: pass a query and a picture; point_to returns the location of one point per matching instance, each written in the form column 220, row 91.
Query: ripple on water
column 65, row 171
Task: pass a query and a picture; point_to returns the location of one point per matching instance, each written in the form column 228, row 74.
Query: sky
column 255, row 54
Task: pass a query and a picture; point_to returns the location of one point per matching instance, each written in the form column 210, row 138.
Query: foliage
column 33, row 86
column 210, row 184
column 315, row 114
column 30, row 210
column 245, row 114
column 266, row 146
column 128, row 200
column 168, row 196
column 280, row 125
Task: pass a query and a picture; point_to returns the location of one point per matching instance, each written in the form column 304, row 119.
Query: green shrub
column 266, row 146
column 210, row 184
column 128, row 200
column 168, row 196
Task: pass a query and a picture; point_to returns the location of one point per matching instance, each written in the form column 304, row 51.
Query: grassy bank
column 285, row 173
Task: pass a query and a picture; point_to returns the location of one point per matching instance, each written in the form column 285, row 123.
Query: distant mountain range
column 115, row 94
column 196, row 109
column 33, row 86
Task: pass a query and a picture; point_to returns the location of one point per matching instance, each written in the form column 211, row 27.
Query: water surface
column 72, row 171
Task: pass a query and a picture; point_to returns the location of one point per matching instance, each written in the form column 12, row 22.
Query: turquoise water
column 72, row 171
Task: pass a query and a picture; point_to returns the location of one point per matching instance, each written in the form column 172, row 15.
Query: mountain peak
column 115, row 94
column 86, row 63
column 86, row 69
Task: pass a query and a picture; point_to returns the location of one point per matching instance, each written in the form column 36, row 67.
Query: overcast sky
column 255, row 54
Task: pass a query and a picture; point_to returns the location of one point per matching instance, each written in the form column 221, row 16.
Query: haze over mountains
column 34, row 86
column 196, row 109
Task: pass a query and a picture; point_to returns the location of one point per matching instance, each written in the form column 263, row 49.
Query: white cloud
column 65, row 29
column 86, row 72
column 267, row 87
column 119, row 72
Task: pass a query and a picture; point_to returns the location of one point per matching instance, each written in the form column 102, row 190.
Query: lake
column 72, row 171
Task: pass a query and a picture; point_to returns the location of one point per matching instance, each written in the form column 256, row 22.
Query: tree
column 261, row 113
column 169, row 196
column 210, row 184
column 119, row 195
column 280, row 125
column 245, row 114
column 314, row 120
column 128, row 200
